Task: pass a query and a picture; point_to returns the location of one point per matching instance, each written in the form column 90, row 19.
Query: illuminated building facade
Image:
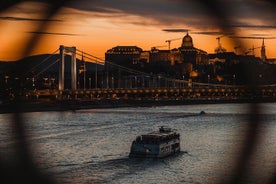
column 183, row 59
column 187, row 57
column 190, row 54
column 123, row 55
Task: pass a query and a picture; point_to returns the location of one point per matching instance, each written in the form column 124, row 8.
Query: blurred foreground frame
column 23, row 169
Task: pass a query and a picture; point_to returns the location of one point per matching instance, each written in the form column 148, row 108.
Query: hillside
column 38, row 63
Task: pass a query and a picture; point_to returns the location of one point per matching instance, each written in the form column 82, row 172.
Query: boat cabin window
column 163, row 129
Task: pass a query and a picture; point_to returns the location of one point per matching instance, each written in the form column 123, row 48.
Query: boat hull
column 154, row 150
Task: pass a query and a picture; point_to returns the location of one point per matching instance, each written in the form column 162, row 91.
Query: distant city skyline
column 96, row 26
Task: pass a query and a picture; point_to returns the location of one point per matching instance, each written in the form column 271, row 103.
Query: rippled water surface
column 92, row 146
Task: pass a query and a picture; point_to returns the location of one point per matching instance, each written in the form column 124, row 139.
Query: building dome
column 187, row 41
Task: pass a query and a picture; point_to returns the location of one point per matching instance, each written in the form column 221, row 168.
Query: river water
column 92, row 146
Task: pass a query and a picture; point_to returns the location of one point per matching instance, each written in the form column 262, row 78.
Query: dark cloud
column 52, row 33
column 212, row 33
column 208, row 32
column 141, row 7
column 175, row 30
column 168, row 12
column 253, row 37
column 26, row 19
column 254, row 26
column 259, row 10
column 192, row 13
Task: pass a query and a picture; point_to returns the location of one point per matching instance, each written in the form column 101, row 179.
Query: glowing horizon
column 111, row 25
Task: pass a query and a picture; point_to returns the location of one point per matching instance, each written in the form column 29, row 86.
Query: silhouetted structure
column 182, row 60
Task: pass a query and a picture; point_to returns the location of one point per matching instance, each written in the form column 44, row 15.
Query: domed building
column 190, row 54
column 187, row 57
column 183, row 59
column 187, row 41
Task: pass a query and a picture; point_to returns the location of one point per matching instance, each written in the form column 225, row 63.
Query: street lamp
column 135, row 81
column 89, row 82
column 6, row 79
column 159, row 81
column 33, row 80
column 234, row 79
column 53, row 81
column 45, row 81
column 208, row 80
column 260, row 77
column 17, row 82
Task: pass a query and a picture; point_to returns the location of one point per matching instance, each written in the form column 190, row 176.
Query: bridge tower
column 63, row 49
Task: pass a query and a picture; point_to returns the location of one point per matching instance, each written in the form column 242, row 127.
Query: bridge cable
column 47, row 67
column 43, row 61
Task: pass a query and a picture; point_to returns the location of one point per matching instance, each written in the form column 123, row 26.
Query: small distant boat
column 156, row 144
column 202, row 112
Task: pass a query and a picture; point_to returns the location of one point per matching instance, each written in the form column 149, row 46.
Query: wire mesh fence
column 23, row 168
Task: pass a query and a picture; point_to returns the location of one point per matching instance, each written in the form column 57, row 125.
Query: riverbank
column 71, row 105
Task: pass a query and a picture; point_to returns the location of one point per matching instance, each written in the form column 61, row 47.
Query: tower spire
column 263, row 56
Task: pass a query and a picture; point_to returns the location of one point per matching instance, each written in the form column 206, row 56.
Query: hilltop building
column 183, row 59
column 123, row 55
column 223, row 57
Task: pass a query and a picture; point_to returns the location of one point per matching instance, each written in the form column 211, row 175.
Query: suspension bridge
column 108, row 83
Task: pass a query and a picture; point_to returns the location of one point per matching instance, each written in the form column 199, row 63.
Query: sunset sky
column 95, row 26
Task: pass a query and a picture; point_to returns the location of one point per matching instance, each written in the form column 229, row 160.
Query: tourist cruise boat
column 156, row 144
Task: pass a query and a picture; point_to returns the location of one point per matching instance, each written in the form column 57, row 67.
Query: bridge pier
column 71, row 50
